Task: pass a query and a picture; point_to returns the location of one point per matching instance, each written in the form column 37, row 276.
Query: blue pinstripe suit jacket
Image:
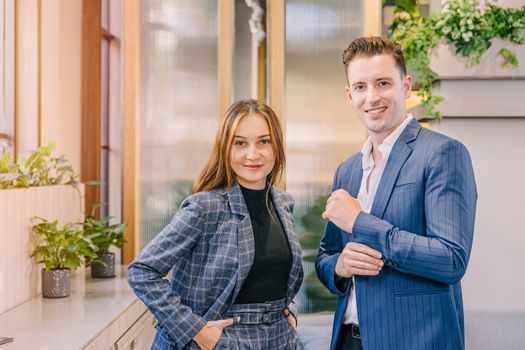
column 209, row 245
column 422, row 221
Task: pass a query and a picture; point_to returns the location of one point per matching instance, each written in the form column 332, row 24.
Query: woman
column 235, row 258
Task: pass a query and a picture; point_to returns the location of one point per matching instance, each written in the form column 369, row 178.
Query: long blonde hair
column 218, row 173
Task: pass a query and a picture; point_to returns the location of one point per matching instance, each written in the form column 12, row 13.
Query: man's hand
column 209, row 335
column 342, row 209
column 358, row 259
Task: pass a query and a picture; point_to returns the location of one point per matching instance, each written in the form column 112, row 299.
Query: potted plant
column 103, row 235
column 61, row 250
column 35, row 184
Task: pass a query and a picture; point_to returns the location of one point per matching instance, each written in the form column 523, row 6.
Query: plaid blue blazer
column 209, row 247
column 422, row 221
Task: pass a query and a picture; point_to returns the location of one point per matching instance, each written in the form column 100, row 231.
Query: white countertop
column 67, row 323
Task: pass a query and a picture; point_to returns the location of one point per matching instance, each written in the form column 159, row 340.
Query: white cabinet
column 100, row 314
column 139, row 336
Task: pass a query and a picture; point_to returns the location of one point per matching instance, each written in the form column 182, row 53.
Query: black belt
column 353, row 329
column 265, row 317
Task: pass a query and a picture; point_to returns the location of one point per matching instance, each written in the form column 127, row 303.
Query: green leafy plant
column 40, row 168
column 9, row 173
column 102, row 233
column 311, row 231
column 463, row 25
column 64, row 247
column 37, row 168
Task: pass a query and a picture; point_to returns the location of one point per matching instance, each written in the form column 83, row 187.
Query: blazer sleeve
column 450, row 204
column 330, row 248
column 146, row 274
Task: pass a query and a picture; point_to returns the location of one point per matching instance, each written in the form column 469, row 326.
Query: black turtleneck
column 269, row 274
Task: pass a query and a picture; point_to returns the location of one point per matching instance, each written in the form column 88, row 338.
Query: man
column 400, row 218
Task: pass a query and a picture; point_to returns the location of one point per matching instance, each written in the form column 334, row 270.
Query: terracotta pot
column 56, row 283
column 101, row 271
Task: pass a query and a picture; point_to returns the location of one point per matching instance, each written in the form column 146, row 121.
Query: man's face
column 378, row 92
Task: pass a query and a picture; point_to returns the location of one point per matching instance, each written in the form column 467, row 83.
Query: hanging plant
column 465, row 26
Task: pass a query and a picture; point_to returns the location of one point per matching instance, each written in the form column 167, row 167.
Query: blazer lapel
column 355, row 179
column 287, row 221
column 396, row 160
column 245, row 241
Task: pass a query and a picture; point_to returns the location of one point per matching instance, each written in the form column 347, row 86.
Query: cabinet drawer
column 140, row 335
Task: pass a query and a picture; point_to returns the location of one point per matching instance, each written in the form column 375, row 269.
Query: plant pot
column 100, row 271
column 56, row 283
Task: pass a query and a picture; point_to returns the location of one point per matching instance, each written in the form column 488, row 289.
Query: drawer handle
column 133, row 344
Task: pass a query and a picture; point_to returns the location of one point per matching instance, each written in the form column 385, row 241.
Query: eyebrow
column 259, row 137
column 358, row 83
column 378, row 79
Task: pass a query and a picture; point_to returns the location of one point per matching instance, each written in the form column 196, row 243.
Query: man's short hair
column 372, row 46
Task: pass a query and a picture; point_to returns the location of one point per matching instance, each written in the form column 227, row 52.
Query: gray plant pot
column 56, row 283
column 101, row 271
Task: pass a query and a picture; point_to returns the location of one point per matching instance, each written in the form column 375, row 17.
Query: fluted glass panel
column 321, row 127
column 178, row 103
column 242, row 55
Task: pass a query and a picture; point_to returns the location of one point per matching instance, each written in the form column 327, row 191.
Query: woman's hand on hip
column 290, row 317
column 209, row 335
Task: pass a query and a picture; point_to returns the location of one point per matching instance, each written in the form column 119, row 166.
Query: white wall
column 48, row 76
column 61, row 32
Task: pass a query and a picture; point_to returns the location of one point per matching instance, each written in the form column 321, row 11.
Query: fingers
column 221, row 323
column 339, row 192
column 364, row 249
column 291, row 320
column 359, row 259
column 228, row 322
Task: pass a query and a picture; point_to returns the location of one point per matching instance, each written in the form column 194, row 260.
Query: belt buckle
column 355, row 331
column 266, row 317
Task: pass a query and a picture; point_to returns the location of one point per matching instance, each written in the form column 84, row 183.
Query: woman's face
column 252, row 157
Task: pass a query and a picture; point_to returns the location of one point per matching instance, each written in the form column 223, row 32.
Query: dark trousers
column 349, row 338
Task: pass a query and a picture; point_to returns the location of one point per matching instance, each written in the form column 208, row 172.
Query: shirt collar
column 386, row 146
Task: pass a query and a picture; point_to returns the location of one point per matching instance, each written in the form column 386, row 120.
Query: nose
column 253, row 153
column 372, row 95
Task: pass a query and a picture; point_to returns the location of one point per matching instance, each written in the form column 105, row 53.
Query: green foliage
column 9, row 173
column 313, row 225
column 463, row 25
column 38, row 168
column 102, row 233
column 509, row 58
column 408, row 6
column 319, row 298
column 62, row 247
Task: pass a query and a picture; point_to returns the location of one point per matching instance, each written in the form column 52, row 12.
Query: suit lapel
column 245, row 241
column 287, row 221
column 355, row 179
column 396, row 160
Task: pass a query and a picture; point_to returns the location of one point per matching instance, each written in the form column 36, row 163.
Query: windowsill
column 72, row 322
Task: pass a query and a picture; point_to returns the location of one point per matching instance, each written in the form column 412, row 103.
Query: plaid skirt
column 260, row 326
